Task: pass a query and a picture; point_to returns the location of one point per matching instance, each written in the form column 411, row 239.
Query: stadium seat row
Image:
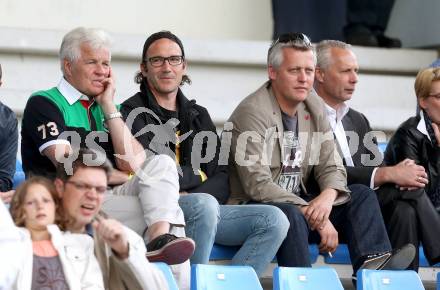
column 216, row 277
column 341, row 256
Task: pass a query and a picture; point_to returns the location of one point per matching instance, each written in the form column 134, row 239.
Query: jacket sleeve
column 359, row 174
column 217, row 183
column 330, row 171
column 362, row 172
column 8, row 150
column 15, row 253
column 403, row 145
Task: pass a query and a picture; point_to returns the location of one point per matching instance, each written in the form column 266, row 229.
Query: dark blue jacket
column 192, row 118
column 8, row 147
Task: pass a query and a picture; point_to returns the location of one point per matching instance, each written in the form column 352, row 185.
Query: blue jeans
column 258, row 229
column 358, row 222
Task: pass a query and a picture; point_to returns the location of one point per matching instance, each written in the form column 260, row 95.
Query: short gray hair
column 275, row 53
column 323, row 51
column 71, row 46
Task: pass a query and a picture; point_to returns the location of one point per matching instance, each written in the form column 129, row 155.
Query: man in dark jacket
column 400, row 188
column 8, row 149
column 165, row 121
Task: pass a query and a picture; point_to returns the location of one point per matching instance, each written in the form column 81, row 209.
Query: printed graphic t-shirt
column 290, row 178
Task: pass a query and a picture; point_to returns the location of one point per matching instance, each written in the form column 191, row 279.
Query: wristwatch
column 113, row 116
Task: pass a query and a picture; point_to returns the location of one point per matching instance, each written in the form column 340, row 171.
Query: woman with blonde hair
column 418, row 139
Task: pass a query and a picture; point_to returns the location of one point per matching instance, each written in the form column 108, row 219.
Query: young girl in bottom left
column 55, row 259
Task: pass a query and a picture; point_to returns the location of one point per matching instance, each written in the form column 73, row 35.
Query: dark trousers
column 358, row 222
column 319, row 19
column 373, row 14
column 410, row 217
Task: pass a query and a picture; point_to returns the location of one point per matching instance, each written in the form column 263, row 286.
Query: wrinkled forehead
column 87, row 49
column 298, row 57
column 342, row 56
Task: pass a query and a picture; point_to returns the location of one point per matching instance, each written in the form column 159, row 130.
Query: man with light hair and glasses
column 281, row 144
column 8, row 149
column 408, row 213
column 165, row 121
column 80, row 112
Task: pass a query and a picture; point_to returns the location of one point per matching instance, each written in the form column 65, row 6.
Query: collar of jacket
column 186, row 107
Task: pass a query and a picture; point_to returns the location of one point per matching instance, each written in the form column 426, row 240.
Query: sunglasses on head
column 292, row 37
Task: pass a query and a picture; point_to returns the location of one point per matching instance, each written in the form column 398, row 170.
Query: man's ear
column 272, row 73
column 143, row 68
column 67, row 65
column 319, row 75
column 59, row 186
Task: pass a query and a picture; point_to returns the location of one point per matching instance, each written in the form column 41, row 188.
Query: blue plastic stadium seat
column 388, row 280
column 285, row 278
column 340, row 256
column 220, row 252
column 19, row 176
column 313, row 252
column 219, row 277
column 423, row 262
column 172, row 285
column 438, row 281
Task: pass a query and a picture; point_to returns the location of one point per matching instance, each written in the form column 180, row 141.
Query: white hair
column 323, row 48
column 71, row 46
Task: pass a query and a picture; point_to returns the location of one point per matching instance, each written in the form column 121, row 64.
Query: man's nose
column 91, row 192
column 101, row 69
column 302, row 76
column 354, row 77
column 166, row 65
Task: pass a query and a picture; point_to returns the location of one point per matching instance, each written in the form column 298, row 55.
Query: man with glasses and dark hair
column 80, row 113
column 165, row 121
column 8, row 149
column 281, row 143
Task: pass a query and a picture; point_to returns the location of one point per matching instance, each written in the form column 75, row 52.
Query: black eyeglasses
column 292, row 37
column 81, row 186
column 158, row 61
